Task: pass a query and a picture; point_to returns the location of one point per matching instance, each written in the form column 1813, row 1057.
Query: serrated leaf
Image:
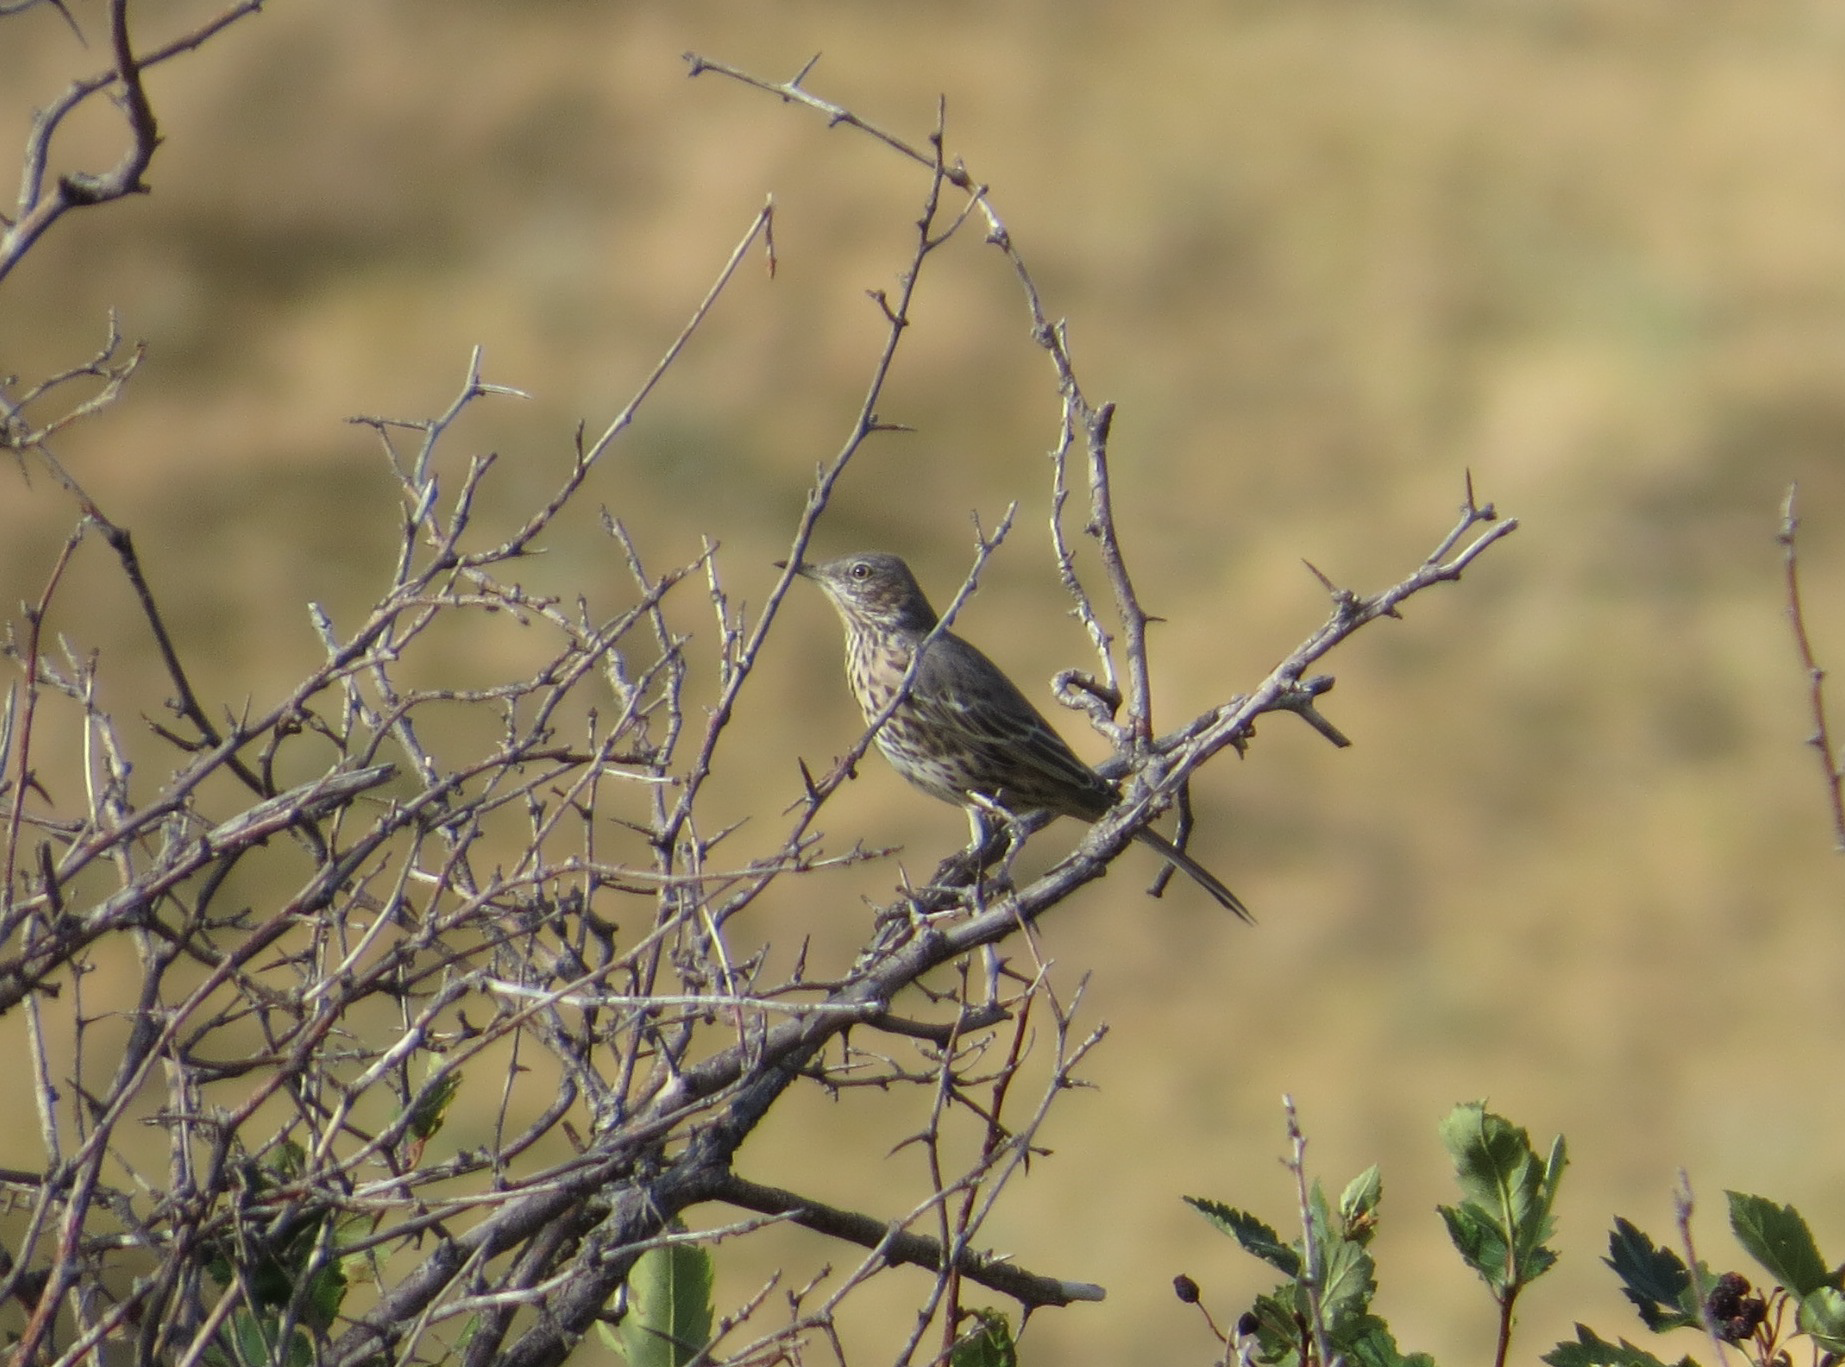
column 1822, row 1315
column 1501, row 1176
column 1653, row 1277
column 1319, row 1212
column 1478, row 1239
column 1540, row 1224
column 1589, row 1350
column 1256, row 1237
column 1358, row 1204
column 1778, row 1238
column 1349, row 1281
column 1656, row 1273
column 987, row 1344
column 669, row 1307
column 1276, row 1326
column 1492, row 1157
column 1369, row 1344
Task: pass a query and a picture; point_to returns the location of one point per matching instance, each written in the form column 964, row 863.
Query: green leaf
column 1655, row 1279
column 1317, row 1208
column 1537, row 1262
column 1358, row 1204
column 300, row 1351
column 430, row 1106
column 1591, row 1351
column 1277, row 1325
column 1778, row 1239
column 1369, row 1344
column 1256, row 1237
column 669, row 1307
column 1507, row 1189
column 1493, row 1160
column 1479, row 1240
column 1348, row 1283
column 987, row 1344
column 1822, row 1315
column 249, row 1337
column 288, row 1160
column 1554, row 1163
column 326, row 1293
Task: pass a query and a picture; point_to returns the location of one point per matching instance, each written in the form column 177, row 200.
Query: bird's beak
column 805, row 571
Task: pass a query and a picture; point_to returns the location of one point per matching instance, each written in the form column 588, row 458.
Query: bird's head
column 873, row 589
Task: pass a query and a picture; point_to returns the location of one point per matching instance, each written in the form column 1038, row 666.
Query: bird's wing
column 957, row 686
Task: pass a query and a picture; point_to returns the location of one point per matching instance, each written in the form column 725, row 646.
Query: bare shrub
column 285, row 952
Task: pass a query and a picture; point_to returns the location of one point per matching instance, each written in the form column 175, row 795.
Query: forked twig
column 38, row 207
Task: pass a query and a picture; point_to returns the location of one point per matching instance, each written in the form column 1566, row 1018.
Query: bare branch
column 898, row 1248
column 38, row 207
column 1821, row 739
column 327, row 917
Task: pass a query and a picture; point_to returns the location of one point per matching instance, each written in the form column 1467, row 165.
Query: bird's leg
column 976, row 825
column 979, row 809
column 982, row 809
column 978, row 833
column 981, row 812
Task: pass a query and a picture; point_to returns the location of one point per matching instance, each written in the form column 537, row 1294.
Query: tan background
column 1325, row 256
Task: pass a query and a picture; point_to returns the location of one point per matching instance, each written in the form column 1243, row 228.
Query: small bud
column 1186, row 1289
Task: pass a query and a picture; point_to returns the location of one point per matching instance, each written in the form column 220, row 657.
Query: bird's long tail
column 1197, row 872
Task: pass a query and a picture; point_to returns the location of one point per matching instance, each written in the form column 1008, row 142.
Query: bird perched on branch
column 964, row 733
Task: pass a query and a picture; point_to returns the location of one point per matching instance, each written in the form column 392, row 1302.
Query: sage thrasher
column 965, row 733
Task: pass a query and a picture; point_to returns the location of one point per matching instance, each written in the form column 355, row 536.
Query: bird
column 964, row 733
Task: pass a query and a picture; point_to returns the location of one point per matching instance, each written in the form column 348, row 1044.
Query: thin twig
column 1821, row 737
column 38, row 209
column 1682, row 1207
column 1313, row 1274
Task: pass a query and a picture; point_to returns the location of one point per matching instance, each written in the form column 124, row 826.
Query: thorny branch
column 1160, row 768
column 44, row 198
column 1821, row 739
column 342, row 913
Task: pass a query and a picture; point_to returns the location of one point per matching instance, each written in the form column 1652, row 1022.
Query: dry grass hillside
column 1326, row 255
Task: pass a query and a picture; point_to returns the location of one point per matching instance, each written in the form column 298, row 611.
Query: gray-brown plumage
column 965, row 733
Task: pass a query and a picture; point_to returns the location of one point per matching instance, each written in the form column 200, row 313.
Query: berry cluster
column 1735, row 1312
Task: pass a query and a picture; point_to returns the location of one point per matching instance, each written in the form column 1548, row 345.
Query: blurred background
column 1326, row 255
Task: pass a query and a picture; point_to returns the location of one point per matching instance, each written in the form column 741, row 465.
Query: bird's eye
column 861, row 570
